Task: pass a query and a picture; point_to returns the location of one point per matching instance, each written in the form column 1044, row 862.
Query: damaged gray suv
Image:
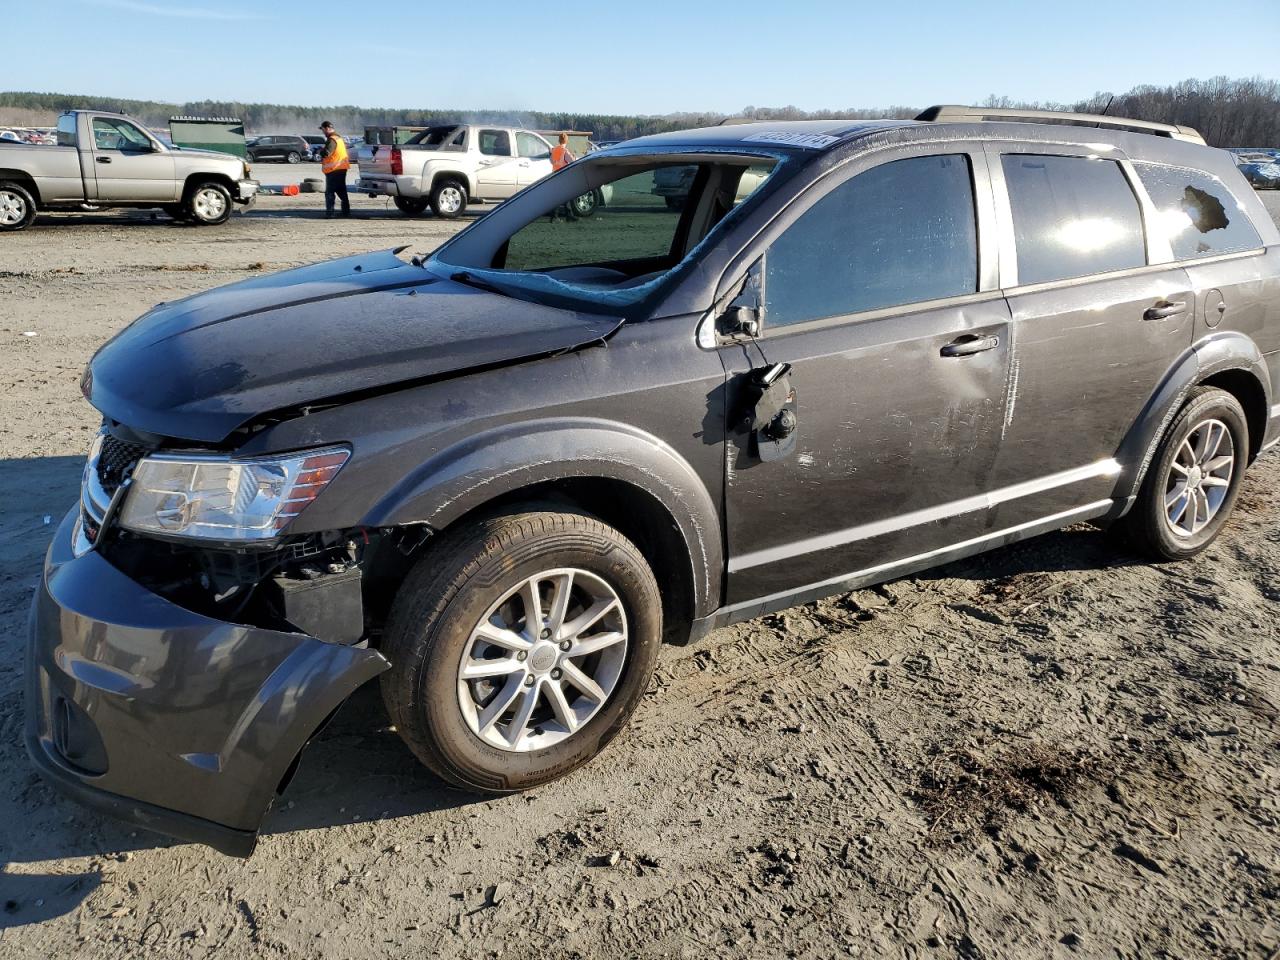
column 497, row 478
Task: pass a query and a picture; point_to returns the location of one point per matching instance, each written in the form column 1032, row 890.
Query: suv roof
column 821, row 135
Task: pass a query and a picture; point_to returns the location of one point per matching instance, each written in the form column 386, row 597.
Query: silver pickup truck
column 108, row 160
column 449, row 165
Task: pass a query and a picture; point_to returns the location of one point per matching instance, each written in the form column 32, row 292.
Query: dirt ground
column 1054, row 750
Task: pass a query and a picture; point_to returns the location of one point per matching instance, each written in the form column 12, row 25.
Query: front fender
column 519, row 455
column 1216, row 353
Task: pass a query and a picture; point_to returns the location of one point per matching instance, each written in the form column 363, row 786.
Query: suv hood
column 198, row 368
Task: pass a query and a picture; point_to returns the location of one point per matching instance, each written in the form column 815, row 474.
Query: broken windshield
column 606, row 230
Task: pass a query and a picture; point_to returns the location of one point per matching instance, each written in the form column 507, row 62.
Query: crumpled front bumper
column 245, row 190
column 166, row 718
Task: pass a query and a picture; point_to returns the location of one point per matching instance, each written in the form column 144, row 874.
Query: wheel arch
column 24, row 180
column 627, row 478
column 450, row 173
column 193, row 180
column 1229, row 360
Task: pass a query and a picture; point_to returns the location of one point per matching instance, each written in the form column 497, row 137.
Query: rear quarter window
column 1072, row 217
column 1197, row 211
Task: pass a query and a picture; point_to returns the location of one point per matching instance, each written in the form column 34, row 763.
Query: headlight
column 223, row 499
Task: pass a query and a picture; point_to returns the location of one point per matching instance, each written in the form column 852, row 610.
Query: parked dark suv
column 499, row 477
column 286, row 149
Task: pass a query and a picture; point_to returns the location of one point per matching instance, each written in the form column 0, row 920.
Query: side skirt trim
column 984, row 501
column 898, row 568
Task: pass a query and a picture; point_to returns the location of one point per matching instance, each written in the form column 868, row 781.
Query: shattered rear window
column 1199, row 214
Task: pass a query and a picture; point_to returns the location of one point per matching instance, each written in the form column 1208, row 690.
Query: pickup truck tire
column 587, row 204
column 448, row 199
column 17, row 206
column 1191, row 486
column 451, row 687
column 411, row 206
column 209, row 203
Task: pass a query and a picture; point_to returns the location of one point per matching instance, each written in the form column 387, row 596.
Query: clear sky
column 657, row 56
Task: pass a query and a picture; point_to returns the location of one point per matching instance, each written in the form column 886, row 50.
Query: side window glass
column 527, row 145
column 495, row 143
column 1072, row 217
column 1200, row 216
column 900, row 233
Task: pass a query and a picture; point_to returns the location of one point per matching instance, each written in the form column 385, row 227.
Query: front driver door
column 496, row 178
column 897, row 339
column 129, row 166
column 535, row 158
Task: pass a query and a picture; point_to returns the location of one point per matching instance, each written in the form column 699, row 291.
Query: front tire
column 294, row 157
column 448, row 199
column 1193, row 481
column 209, row 204
column 495, row 696
column 17, row 206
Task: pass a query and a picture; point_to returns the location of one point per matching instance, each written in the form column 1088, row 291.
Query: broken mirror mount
column 741, row 318
column 771, row 414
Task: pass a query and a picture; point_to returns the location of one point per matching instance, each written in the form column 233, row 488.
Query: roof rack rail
column 975, row 114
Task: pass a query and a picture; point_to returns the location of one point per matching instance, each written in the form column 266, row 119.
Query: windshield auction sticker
column 812, row 140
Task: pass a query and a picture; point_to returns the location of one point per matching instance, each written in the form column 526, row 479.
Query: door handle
column 1165, row 309
column 968, row 345
column 104, row 159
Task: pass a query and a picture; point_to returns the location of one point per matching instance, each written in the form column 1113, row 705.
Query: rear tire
column 585, row 205
column 411, row 206
column 448, row 199
column 474, row 584
column 17, row 207
column 209, row 204
column 1191, row 486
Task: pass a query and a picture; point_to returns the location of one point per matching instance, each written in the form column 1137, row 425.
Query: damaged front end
column 173, row 682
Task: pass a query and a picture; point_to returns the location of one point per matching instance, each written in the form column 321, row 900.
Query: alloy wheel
column 451, row 199
column 13, row 208
column 209, row 204
column 1199, row 478
column 543, row 661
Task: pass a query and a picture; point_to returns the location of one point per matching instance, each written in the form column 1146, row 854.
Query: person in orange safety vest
column 561, row 156
column 335, row 164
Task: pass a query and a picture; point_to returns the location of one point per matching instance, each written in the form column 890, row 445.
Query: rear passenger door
column 879, row 291
column 1099, row 314
column 496, row 177
column 1213, row 238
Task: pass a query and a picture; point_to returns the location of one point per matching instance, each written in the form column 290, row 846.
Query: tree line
column 1229, row 112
